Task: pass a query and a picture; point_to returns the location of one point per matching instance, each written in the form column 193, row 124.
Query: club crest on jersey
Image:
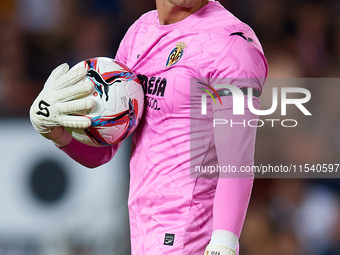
column 176, row 54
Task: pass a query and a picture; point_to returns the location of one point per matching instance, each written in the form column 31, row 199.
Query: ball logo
column 98, row 81
column 176, row 54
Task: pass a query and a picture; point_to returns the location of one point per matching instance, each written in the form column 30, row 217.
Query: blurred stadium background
column 84, row 211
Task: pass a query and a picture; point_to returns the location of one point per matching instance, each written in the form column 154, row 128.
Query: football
column 119, row 101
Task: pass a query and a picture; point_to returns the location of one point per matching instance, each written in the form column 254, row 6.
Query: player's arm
column 58, row 105
column 90, row 156
column 235, row 145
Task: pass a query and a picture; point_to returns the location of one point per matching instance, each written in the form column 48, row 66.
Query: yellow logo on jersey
column 176, row 54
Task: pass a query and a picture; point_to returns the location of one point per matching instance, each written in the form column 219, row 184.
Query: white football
column 119, row 101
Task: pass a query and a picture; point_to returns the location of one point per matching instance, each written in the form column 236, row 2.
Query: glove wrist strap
column 224, row 237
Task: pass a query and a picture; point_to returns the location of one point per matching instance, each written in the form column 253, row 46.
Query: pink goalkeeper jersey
column 171, row 212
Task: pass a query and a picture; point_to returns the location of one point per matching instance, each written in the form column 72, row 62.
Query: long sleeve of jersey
column 235, row 140
column 89, row 156
column 235, row 145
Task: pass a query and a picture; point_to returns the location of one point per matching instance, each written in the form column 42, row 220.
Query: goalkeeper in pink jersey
column 182, row 45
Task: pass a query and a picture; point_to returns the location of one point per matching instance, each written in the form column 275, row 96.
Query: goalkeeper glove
column 222, row 242
column 63, row 95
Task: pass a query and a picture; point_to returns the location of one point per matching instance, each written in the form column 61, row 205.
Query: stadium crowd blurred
column 300, row 39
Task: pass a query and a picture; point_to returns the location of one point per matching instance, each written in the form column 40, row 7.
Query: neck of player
column 173, row 11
